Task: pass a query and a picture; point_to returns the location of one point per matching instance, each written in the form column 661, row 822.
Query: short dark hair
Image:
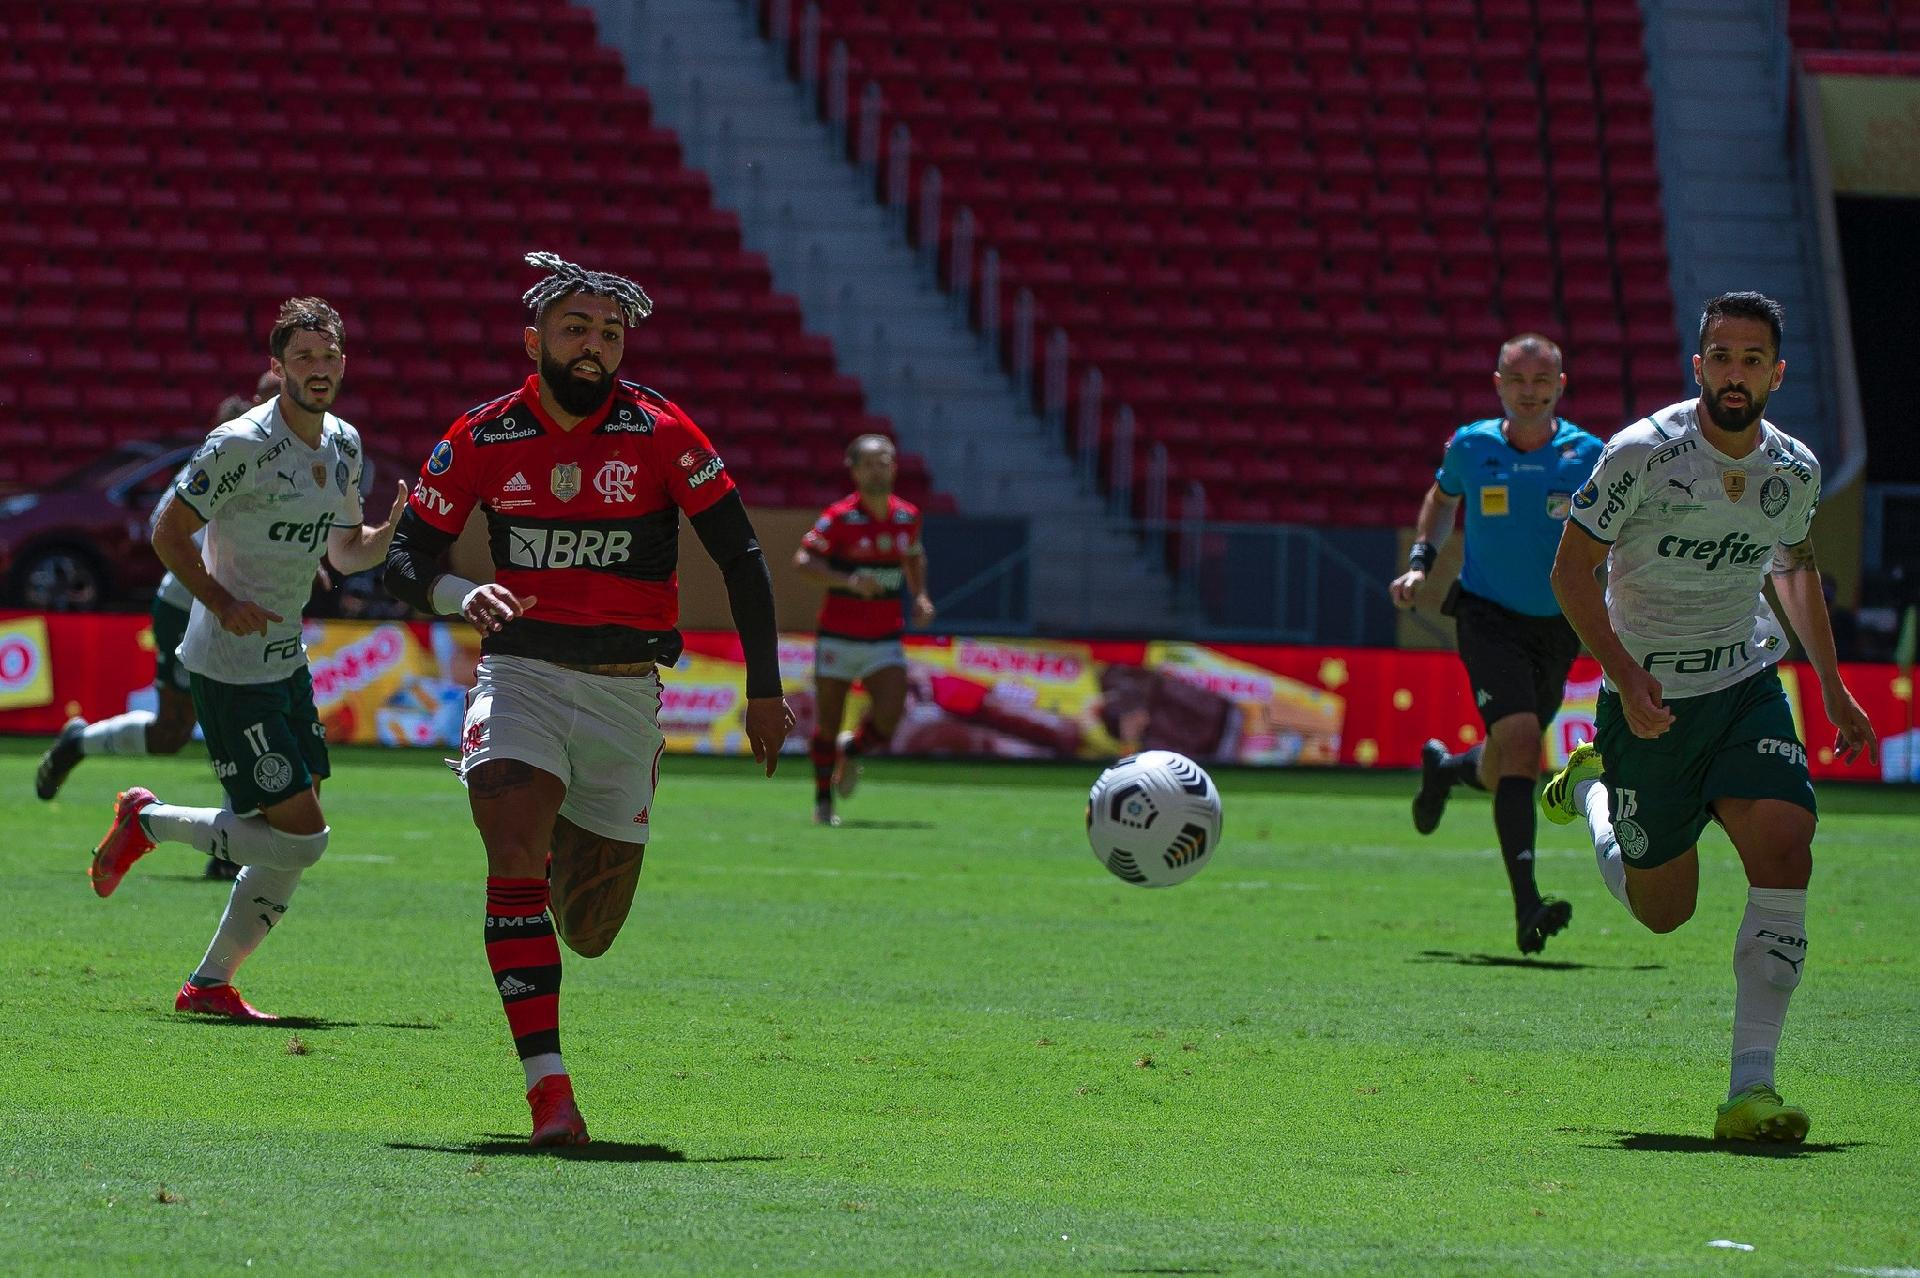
column 871, row 440
column 1744, row 306
column 308, row 313
column 231, row 407
column 1529, row 344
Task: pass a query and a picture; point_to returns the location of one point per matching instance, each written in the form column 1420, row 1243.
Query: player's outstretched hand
column 245, row 617
column 922, row 611
column 1405, row 587
column 492, row 606
column 385, row 531
column 769, row 720
column 1640, row 701
column 1852, row 731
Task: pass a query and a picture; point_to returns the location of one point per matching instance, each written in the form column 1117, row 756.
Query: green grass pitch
column 943, row 1039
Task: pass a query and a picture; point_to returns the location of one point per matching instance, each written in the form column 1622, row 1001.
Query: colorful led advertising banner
column 405, row 683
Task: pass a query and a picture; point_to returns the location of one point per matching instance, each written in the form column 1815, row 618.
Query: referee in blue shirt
column 1517, row 475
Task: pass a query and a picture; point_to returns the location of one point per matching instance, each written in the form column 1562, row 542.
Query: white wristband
column 449, row 594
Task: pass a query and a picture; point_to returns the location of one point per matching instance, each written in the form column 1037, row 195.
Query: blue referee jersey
column 1516, row 503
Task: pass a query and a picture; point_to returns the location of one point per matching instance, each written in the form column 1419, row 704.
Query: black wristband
column 1421, row 557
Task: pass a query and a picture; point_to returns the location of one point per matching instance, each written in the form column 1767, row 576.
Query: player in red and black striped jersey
column 582, row 480
column 865, row 546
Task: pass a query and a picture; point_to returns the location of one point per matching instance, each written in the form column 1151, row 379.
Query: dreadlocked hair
column 567, row 278
column 308, row 313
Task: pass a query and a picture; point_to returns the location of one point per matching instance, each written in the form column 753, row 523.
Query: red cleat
column 556, row 1119
column 125, row 843
column 218, row 1000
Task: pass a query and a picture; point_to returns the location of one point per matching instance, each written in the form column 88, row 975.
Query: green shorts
column 1737, row 743
column 265, row 739
column 169, row 628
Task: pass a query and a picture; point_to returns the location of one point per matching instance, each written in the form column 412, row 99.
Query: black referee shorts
column 1516, row 663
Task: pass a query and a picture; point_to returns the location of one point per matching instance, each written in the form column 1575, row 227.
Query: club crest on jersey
column 340, row 476
column 615, row 481
column 1735, row 484
column 565, row 480
column 1773, row 496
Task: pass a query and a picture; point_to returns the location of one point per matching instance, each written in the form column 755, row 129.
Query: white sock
column 122, row 734
column 538, row 1067
column 244, row 840
column 1767, row 957
column 260, row 897
column 1590, row 797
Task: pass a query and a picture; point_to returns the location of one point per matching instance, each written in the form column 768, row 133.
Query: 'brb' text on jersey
column 269, row 502
column 586, row 520
column 1516, row 507
column 1693, row 533
column 852, row 538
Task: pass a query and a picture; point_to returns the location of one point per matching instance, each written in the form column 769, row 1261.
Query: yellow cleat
column 1556, row 798
column 1759, row 1114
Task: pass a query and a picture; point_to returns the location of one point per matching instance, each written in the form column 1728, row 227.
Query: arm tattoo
column 1788, row 559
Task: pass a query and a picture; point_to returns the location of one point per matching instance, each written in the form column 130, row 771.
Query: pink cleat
column 125, row 843
column 556, row 1119
column 218, row 1000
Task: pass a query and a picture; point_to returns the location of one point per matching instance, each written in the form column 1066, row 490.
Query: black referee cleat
column 225, row 871
column 60, row 759
column 1432, row 799
column 1543, row 921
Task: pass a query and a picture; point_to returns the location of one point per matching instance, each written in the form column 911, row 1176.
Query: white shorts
column 851, row 659
column 598, row 733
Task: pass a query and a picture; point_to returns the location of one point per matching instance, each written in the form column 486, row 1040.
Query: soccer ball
column 1154, row 818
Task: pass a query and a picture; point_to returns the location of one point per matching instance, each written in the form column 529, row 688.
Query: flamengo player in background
column 1517, row 474
column 583, row 479
column 1691, row 510
column 274, row 489
column 864, row 547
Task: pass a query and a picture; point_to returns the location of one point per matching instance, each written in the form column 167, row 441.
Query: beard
column 1735, row 419
column 580, row 398
column 298, row 394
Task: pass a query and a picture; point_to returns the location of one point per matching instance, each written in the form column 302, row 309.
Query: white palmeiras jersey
column 269, row 502
column 1693, row 533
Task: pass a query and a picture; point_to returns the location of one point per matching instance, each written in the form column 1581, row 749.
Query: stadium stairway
column 715, row 81
column 1736, row 203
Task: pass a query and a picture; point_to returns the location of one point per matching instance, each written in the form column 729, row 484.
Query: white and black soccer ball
column 1154, row 818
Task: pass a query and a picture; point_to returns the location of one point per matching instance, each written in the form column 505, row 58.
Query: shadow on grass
column 1667, row 1143
column 500, row 1145
column 856, row 823
column 290, row 1023
column 1169, row 1271
column 1545, row 965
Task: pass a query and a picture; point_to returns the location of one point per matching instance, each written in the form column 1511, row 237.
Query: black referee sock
column 1513, row 820
column 1464, row 769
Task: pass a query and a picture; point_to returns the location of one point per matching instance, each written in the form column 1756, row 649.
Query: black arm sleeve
column 728, row 535
column 414, row 559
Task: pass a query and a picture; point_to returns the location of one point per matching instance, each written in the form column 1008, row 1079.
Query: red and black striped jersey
column 585, row 520
column 852, row 538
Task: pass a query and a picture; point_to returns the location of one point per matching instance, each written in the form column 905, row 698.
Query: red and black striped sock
column 822, row 752
column 525, row 958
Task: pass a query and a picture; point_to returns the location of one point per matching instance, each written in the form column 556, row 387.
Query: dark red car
column 81, row 542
